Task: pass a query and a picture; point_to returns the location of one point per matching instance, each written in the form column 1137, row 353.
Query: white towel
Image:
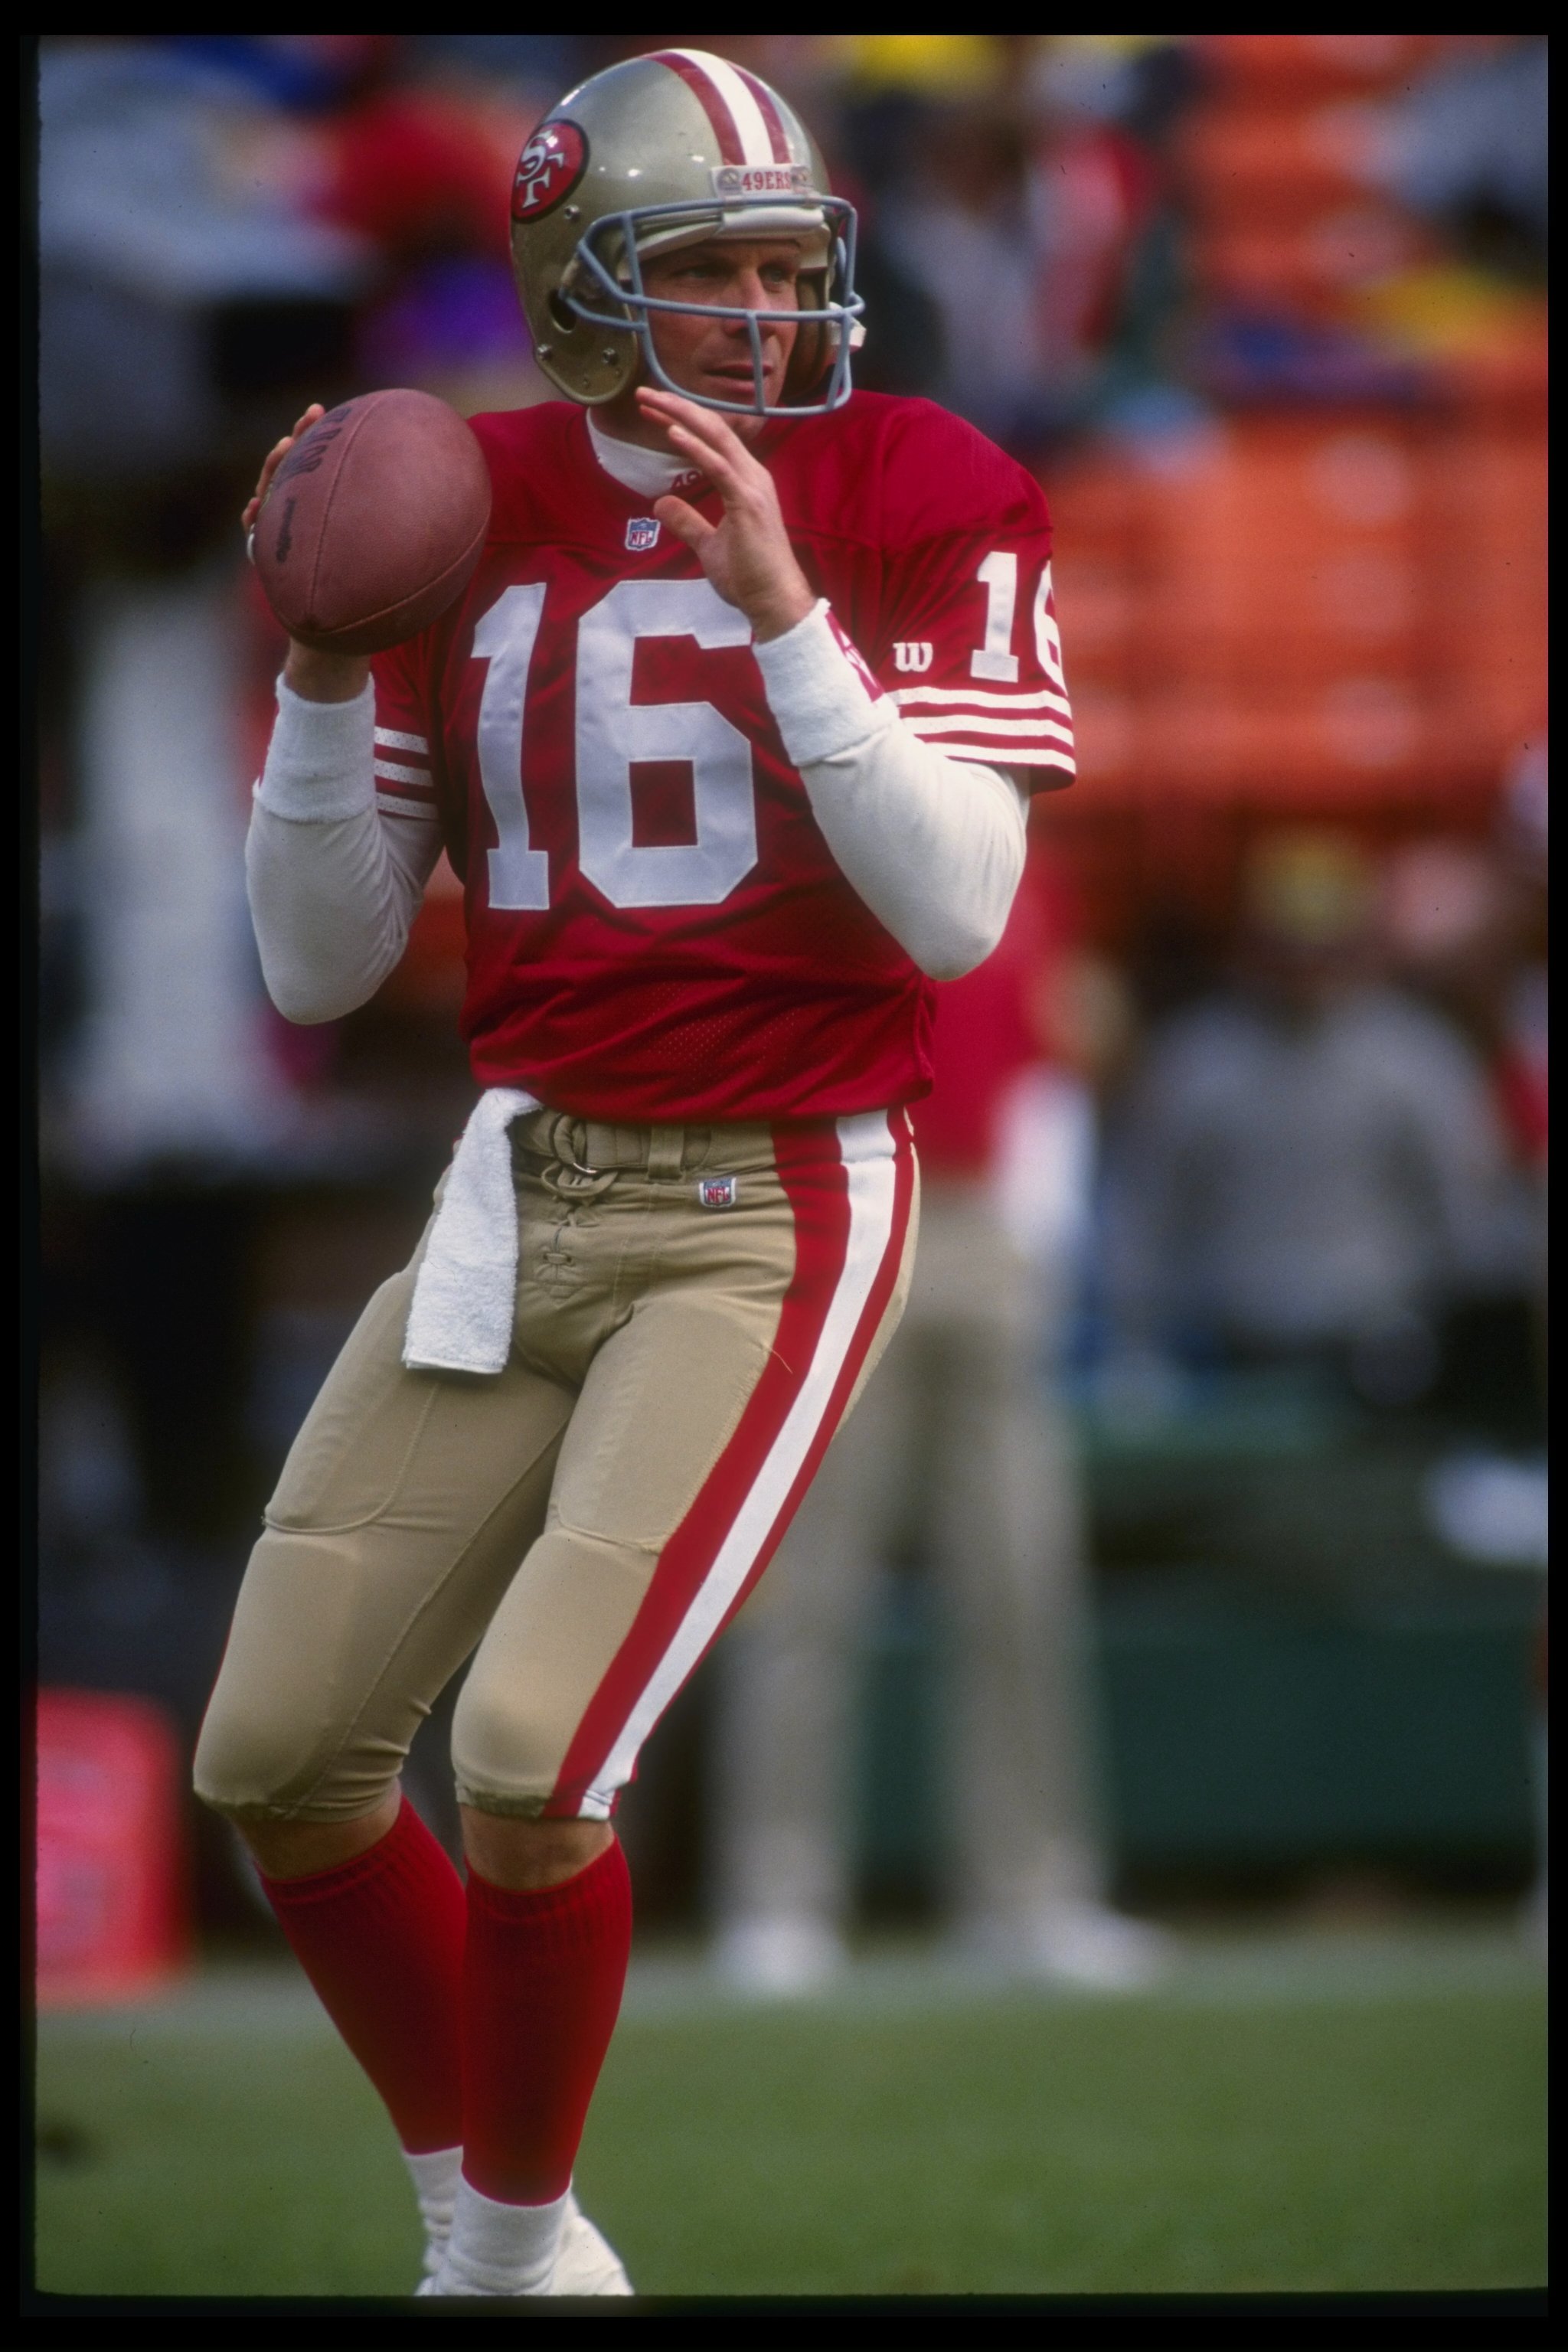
column 460, row 1317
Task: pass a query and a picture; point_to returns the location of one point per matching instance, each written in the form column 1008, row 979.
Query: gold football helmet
column 664, row 151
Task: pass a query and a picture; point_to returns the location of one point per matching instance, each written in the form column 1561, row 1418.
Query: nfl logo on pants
column 717, row 1192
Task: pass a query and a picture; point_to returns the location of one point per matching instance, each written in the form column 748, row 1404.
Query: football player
column 731, row 738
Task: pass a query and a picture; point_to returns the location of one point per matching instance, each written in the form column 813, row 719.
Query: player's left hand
column 270, row 463
column 747, row 554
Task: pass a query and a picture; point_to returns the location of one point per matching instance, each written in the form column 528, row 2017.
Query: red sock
column 381, row 1938
column 541, row 1989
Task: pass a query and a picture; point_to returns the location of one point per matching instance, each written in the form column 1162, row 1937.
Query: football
column 373, row 522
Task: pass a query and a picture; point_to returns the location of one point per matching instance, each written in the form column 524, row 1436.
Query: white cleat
column 434, row 2176
column 587, row 2264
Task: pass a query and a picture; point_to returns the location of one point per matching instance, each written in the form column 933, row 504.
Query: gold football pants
column 586, row 1522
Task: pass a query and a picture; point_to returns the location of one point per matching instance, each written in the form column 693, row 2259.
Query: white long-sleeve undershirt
column 334, row 883
column 935, row 846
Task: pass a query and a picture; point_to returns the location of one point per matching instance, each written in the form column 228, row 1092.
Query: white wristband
column 320, row 762
column 820, row 701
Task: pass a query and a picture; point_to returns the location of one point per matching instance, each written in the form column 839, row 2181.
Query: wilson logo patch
column 717, row 1191
column 914, row 657
column 642, row 532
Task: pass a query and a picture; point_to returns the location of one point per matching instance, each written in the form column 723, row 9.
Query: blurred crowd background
column 1263, row 1091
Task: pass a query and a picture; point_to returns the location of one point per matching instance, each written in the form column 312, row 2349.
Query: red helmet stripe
column 769, row 112
column 712, row 101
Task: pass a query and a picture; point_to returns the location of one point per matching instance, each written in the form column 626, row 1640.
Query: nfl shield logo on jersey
column 717, row 1192
column 642, row 532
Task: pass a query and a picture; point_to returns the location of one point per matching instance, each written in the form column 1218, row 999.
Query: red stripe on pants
column 877, row 1301
column 814, row 1177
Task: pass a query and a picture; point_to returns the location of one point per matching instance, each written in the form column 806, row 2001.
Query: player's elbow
column 954, row 967
column 958, row 948
column 307, row 1012
column 315, row 972
column 968, row 927
column 983, row 878
column 308, row 998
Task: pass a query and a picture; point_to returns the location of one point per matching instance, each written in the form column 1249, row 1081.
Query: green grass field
column 1323, row 2113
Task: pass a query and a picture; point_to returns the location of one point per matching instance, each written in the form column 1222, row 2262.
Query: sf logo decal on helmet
column 548, row 168
column 686, row 147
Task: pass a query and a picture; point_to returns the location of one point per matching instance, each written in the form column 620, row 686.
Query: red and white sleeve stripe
column 1030, row 729
column 403, row 783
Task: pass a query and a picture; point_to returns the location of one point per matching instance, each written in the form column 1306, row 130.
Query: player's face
column 713, row 356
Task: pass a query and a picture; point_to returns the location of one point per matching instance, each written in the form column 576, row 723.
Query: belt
column 461, row 1316
column 592, row 1146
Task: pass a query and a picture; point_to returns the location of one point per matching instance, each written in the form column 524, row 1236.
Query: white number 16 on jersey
column 612, row 732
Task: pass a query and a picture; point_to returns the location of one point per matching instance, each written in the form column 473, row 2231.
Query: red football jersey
column 656, row 930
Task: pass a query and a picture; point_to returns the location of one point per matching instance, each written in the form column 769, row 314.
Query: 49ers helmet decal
column 548, row 168
column 661, row 152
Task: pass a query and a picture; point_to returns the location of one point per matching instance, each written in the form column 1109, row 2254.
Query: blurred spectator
column 1467, row 147
column 1522, row 837
column 1370, row 243
column 1109, row 283
column 961, row 231
column 891, row 84
column 166, row 271
column 957, row 1442
column 415, row 156
column 1457, row 927
column 1463, row 925
column 1464, row 151
column 1018, row 182
column 1311, row 1162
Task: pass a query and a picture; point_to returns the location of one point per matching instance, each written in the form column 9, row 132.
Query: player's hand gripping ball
column 372, row 522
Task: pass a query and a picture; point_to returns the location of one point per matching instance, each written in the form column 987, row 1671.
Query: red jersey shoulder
column 898, row 473
column 934, row 546
column 541, row 466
